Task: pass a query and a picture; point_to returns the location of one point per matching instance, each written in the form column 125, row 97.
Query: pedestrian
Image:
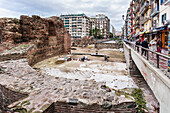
column 105, row 58
column 96, row 52
column 83, row 58
column 153, row 45
column 137, row 44
column 145, row 45
column 159, row 45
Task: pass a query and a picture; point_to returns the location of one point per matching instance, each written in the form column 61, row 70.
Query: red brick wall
column 49, row 36
column 8, row 96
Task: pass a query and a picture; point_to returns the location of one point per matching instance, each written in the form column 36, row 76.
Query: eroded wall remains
column 47, row 34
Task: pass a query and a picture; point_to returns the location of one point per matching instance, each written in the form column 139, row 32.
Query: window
column 66, row 25
column 163, row 17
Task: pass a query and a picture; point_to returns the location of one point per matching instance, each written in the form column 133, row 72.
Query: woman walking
column 153, row 46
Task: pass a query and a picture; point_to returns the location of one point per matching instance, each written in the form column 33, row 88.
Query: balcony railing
column 136, row 18
column 154, row 12
column 137, row 8
column 144, row 7
column 143, row 20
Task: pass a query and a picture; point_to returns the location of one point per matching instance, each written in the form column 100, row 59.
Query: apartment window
column 163, row 17
column 66, row 25
column 66, row 21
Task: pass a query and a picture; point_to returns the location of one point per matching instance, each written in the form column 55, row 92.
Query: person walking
column 159, row 45
column 137, row 44
column 153, row 46
column 145, row 45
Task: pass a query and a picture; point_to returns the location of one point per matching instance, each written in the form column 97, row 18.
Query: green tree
column 96, row 32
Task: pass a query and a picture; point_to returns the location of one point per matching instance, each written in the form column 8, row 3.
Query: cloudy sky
column 114, row 9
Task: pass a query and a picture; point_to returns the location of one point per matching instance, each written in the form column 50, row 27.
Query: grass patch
column 140, row 101
column 137, row 94
column 90, row 47
column 59, row 62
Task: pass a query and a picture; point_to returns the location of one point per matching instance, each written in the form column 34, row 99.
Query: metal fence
column 159, row 59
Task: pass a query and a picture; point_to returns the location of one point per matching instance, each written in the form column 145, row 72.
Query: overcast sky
column 114, row 9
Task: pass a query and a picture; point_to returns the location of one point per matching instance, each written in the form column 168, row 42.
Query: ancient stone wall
column 109, row 45
column 82, row 42
column 47, row 34
column 61, row 107
column 8, row 96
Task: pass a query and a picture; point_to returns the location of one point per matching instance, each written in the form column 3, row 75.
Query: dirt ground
column 95, row 68
column 115, row 55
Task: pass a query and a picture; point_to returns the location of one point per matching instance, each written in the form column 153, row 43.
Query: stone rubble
column 82, row 42
column 43, row 89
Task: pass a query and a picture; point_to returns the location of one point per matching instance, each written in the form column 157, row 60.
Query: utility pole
column 0, row 35
column 169, row 51
column 126, row 21
column 113, row 31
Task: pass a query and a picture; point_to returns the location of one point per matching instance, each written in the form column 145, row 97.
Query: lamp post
column 169, row 51
column 125, row 24
column 0, row 35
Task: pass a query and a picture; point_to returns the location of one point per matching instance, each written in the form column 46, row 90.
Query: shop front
column 163, row 34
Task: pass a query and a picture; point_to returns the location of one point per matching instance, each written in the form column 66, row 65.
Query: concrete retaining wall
column 109, row 45
column 157, row 81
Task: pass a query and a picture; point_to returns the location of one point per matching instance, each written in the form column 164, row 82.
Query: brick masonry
column 49, row 36
column 61, row 107
column 8, row 96
column 108, row 45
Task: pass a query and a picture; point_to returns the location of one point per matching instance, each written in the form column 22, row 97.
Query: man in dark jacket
column 145, row 45
column 137, row 44
column 159, row 45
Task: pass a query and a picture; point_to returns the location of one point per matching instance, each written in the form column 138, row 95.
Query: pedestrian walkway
column 163, row 62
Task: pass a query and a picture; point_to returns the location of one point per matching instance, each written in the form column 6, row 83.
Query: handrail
column 157, row 54
column 165, row 56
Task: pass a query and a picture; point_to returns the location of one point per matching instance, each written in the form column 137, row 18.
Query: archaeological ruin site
column 43, row 70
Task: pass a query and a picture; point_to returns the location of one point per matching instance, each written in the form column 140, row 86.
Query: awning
column 142, row 33
column 161, row 28
column 148, row 32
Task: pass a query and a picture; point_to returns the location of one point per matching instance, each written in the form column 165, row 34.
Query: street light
column 123, row 17
column 0, row 35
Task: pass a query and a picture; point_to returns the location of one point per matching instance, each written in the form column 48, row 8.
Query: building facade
column 102, row 23
column 77, row 25
column 149, row 19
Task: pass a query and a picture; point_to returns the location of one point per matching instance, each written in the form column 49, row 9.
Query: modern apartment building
column 136, row 18
column 77, row 24
column 149, row 19
column 102, row 23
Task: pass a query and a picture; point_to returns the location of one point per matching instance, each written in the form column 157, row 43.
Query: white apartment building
column 102, row 23
column 164, row 14
column 77, row 24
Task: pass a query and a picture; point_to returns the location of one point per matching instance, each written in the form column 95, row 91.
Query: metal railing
column 159, row 56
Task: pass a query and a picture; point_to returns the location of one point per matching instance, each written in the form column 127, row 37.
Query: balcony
column 136, row 18
column 143, row 20
column 154, row 12
column 136, row 26
column 167, row 3
column 144, row 7
column 137, row 8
